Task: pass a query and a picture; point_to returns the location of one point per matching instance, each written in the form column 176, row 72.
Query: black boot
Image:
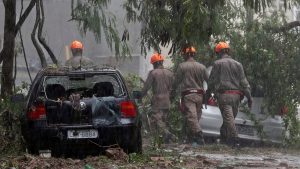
column 233, row 142
column 169, row 138
column 198, row 139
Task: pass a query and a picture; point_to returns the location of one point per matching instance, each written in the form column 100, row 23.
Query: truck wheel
column 32, row 148
column 136, row 145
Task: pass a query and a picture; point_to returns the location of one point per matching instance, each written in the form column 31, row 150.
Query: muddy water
column 240, row 159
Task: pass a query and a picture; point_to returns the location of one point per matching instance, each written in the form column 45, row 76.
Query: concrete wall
column 59, row 32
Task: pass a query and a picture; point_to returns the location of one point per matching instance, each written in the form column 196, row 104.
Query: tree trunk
column 22, row 43
column 20, row 22
column 40, row 36
column 7, row 54
column 8, row 51
column 33, row 36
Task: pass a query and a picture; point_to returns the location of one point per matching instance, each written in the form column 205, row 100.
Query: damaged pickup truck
column 77, row 111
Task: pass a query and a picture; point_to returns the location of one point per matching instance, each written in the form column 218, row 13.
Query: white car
column 272, row 127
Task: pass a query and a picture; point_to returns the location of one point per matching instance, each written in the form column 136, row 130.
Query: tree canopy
column 266, row 44
column 271, row 60
column 93, row 16
column 180, row 22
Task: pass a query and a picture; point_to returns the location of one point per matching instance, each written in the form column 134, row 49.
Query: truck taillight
column 37, row 112
column 128, row 109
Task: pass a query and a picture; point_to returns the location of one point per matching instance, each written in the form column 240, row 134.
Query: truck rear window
column 99, row 85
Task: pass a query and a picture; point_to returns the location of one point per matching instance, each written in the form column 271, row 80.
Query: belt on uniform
column 197, row 91
column 237, row 92
column 233, row 92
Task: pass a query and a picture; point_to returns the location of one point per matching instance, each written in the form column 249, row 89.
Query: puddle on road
column 277, row 160
column 240, row 160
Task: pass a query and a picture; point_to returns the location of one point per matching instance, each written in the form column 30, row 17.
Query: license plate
column 246, row 130
column 75, row 134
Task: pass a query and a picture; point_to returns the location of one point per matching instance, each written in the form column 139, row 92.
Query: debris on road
column 116, row 154
column 174, row 156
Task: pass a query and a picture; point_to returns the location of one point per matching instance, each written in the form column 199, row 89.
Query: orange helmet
column 76, row 45
column 190, row 49
column 220, row 46
column 156, row 57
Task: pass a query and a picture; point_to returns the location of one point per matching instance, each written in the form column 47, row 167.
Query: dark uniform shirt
column 190, row 75
column 160, row 80
column 228, row 74
column 79, row 62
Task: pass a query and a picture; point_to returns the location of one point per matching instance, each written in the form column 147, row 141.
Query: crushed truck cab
column 80, row 110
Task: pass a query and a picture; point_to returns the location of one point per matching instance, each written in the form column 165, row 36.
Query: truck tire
column 136, row 145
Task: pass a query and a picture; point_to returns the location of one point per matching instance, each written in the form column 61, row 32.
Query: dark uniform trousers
column 228, row 104
column 192, row 104
column 158, row 120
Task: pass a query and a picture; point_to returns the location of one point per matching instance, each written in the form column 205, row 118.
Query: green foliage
column 133, row 82
column 92, row 16
column 270, row 61
column 175, row 22
column 137, row 158
column 175, row 118
column 10, row 128
column 257, row 122
column 11, row 117
column 181, row 22
column 258, row 5
column 293, row 128
column 23, row 88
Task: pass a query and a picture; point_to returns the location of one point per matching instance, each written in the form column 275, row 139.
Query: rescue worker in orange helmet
column 78, row 61
column 229, row 83
column 190, row 76
column 160, row 81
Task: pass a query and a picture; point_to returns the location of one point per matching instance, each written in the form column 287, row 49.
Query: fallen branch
column 22, row 44
column 286, row 27
column 24, row 16
column 33, row 34
column 41, row 38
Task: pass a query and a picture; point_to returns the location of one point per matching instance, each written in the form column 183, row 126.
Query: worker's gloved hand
column 207, row 96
